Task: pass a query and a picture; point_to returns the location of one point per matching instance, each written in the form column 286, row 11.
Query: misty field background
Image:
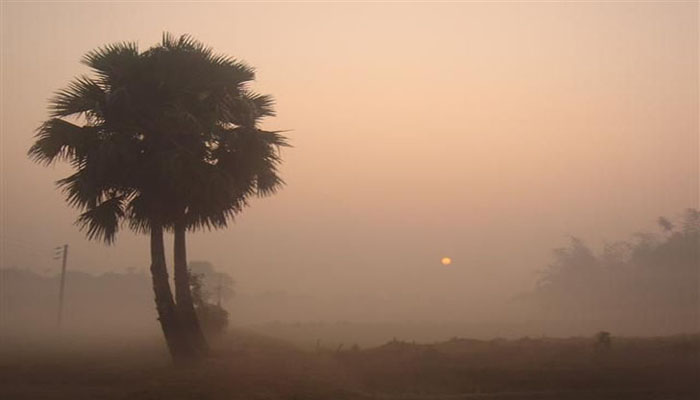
column 349, row 200
column 95, row 357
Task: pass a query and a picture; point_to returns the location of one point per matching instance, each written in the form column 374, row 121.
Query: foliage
column 651, row 277
column 213, row 318
column 165, row 134
column 220, row 285
column 603, row 341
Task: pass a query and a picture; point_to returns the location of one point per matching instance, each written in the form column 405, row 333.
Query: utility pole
column 218, row 294
column 63, row 280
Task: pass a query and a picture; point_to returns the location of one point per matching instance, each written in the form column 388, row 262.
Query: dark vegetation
column 248, row 366
column 209, row 289
column 529, row 365
column 647, row 284
column 165, row 139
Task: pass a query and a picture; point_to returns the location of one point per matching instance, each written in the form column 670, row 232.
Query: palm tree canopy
column 160, row 135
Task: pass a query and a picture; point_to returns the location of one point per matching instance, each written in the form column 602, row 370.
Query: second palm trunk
column 178, row 345
column 183, row 293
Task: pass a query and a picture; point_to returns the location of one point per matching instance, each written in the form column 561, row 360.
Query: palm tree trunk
column 180, row 349
column 183, row 294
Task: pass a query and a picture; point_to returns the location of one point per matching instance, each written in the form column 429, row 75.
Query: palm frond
column 268, row 183
column 102, row 221
column 112, row 58
column 139, row 214
column 274, row 138
column 170, row 129
column 263, row 105
column 57, row 139
column 81, row 190
column 83, row 96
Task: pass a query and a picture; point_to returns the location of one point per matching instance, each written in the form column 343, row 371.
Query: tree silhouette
column 224, row 160
column 208, row 289
column 650, row 280
column 163, row 139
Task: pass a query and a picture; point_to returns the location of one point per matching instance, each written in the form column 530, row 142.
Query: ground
column 244, row 365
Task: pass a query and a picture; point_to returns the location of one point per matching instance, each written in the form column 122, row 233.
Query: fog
column 487, row 133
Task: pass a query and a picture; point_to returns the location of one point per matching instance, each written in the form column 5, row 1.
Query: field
column 245, row 365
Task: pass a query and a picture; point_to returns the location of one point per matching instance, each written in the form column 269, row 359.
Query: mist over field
column 646, row 286
column 384, row 196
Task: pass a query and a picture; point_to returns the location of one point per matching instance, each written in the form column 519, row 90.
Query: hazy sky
column 483, row 132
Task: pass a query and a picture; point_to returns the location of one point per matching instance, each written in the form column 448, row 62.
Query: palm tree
column 223, row 161
column 147, row 151
column 104, row 156
column 211, row 171
column 108, row 148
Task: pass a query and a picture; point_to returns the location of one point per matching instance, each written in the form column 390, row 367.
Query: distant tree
column 219, row 285
column 603, row 341
column 665, row 224
column 212, row 316
column 691, row 221
column 571, row 264
column 643, row 279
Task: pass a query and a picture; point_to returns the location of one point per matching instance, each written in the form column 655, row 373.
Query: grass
column 249, row 366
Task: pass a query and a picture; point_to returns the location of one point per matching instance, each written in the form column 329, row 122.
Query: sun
column 446, row 261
